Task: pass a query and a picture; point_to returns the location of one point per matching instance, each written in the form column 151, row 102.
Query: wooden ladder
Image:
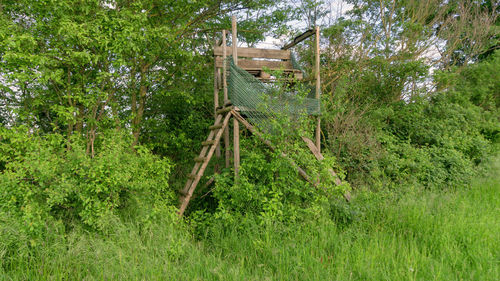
column 209, row 146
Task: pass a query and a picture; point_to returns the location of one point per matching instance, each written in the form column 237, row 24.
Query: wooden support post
column 216, row 104
column 236, row 125
column 236, row 145
column 219, row 78
column 226, row 98
column 318, row 91
column 216, row 87
column 224, row 66
column 235, row 40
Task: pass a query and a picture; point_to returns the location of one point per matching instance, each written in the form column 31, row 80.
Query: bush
column 45, row 183
column 435, row 141
column 269, row 189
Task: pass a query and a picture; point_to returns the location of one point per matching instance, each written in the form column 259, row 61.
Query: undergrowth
column 413, row 235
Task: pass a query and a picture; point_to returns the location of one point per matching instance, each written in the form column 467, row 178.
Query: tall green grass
column 416, row 235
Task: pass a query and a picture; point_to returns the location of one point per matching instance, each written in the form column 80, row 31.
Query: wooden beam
column 236, row 145
column 257, row 71
column 216, row 104
column 258, row 64
column 227, row 152
column 216, row 90
column 312, row 147
column 257, row 53
column 210, row 142
column 224, row 70
column 318, row 91
column 224, row 110
column 299, row 39
column 199, row 159
column 235, row 39
column 214, row 127
column 236, row 126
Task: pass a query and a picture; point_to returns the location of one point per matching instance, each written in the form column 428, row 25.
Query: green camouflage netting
column 261, row 102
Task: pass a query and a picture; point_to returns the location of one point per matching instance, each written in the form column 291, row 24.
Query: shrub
column 436, row 140
column 45, row 183
column 269, row 189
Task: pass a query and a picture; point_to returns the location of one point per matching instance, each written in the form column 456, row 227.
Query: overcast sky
column 338, row 8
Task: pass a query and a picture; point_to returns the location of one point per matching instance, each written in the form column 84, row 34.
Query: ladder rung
column 210, row 142
column 224, row 110
column 199, row 159
column 214, row 127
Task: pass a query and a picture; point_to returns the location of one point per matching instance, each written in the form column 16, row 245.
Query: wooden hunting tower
column 240, row 74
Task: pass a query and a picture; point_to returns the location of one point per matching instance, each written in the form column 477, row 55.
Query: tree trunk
column 139, row 104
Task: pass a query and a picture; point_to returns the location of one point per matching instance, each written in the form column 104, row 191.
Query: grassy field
column 415, row 235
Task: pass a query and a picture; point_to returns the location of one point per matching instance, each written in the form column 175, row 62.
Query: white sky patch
column 337, row 9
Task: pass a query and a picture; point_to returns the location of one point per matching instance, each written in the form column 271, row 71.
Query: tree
column 84, row 68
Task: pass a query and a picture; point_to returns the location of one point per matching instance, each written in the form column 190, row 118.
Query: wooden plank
column 258, row 64
column 320, row 157
column 287, row 71
column 215, row 127
column 224, row 110
column 299, row 39
column 287, row 77
column 264, row 75
column 199, row 159
column 210, row 142
column 256, row 53
column 312, row 147
column 224, row 70
column 318, row 132
column 216, row 87
column 226, row 147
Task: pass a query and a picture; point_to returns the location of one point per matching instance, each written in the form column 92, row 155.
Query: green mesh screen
column 261, row 102
column 296, row 64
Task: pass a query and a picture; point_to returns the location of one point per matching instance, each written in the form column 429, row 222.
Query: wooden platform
column 255, row 53
column 256, row 60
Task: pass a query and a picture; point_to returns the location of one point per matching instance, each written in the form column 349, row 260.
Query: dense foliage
column 419, row 235
column 399, row 113
column 46, row 185
column 104, row 104
column 435, row 140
